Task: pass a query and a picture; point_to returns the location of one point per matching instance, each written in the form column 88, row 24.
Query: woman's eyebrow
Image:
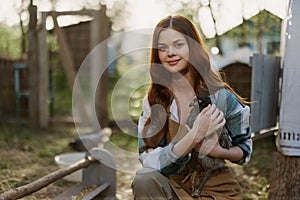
column 179, row 40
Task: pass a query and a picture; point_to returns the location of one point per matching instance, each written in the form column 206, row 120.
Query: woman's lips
column 173, row 62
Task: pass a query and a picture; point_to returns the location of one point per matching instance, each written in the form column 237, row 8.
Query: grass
column 255, row 176
column 28, row 154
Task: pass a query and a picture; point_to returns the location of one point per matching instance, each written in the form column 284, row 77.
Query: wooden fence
column 13, row 89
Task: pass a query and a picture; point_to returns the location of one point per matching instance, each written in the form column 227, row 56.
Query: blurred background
column 43, row 44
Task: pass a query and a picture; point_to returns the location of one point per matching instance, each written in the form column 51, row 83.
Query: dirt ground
column 27, row 155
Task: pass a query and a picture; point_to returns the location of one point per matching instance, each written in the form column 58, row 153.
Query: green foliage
column 124, row 141
column 125, row 85
column 61, row 93
column 22, row 138
column 264, row 22
column 52, row 43
column 136, row 100
column 257, row 172
column 261, row 28
column 10, row 41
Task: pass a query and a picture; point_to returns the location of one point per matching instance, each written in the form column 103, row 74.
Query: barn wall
column 8, row 109
column 238, row 75
column 78, row 39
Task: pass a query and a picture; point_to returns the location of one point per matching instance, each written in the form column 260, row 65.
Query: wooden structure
column 78, row 40
column 37, row 71
column 238, row 75
column 264, row 91
column 85, row 36
column 99, row 171
column 258, row 82
column 13, row 89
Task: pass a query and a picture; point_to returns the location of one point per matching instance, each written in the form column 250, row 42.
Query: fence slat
column 264, row 91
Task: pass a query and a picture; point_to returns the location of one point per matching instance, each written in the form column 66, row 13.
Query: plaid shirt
column 236, row 114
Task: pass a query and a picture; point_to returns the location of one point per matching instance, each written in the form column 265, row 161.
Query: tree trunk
column 285, row 177
column 23, row 36
column 102, row 89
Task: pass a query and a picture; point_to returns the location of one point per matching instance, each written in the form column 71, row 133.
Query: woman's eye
column 162, row 48
column 179, row 45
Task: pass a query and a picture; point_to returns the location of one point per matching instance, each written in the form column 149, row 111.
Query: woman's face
column 173, row 50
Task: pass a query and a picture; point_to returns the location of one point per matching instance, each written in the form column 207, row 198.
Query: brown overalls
column 220, row 185
column 151, row 184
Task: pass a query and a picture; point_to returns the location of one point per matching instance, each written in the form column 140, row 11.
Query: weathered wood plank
column 33, row 67
column 264, row 91
column 43, row 78
column 68, row 65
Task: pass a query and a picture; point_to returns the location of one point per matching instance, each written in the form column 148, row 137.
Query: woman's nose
column 171, row 51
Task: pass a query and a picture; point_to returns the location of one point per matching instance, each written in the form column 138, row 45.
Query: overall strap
column 175, row 132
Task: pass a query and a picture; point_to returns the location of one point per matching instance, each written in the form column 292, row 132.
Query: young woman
column 180, row 70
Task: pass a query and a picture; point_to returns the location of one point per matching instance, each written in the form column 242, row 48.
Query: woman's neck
column 183, row 91
column 182, row 83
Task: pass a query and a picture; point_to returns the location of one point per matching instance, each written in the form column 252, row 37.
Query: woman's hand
column 207, row 122
column 210, row 146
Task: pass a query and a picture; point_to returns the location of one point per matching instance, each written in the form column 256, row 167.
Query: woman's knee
column 149, row 182
column 147, row 176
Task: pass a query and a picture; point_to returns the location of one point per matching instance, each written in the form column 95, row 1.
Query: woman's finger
column 215, row 113
column 221, row 124
column 220, row 117
column 204, row 110
column 211, row 109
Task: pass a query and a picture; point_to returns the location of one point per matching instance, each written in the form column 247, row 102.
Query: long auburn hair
column 198, row 65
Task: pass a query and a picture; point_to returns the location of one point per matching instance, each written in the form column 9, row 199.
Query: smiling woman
column 173, row 50
column 169, row 150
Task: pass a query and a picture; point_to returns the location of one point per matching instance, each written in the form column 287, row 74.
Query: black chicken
column 208, row 164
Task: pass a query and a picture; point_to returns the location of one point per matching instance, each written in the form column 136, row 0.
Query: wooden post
column 33, row 66
column 43, row 79
column 100, row 31
column 95, row 60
